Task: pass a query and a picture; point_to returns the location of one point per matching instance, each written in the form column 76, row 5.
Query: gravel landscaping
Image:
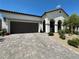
column 33, row 46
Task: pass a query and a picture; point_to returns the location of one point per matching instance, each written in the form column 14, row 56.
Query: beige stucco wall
column 56, row 16
column 19, row 18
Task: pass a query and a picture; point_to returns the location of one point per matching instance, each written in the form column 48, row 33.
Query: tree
column 72, row 22
column 77, row 25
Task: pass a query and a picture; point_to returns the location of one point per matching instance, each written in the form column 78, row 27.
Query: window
column 59, row 11
column 4, row 19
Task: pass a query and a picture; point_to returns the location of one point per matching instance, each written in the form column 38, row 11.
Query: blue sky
column 38, row 7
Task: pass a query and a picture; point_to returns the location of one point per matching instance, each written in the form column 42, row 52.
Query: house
column 15, row 22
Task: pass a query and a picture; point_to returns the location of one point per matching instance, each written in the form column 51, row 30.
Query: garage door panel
column 23, row 27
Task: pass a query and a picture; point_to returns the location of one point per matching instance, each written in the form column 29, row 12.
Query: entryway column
column 56, row 26
column 78, row 29
column 62, row 27
column 75, row 28
column 40, row 27
column 47, row 28
column 47, row 25
column 8, row 26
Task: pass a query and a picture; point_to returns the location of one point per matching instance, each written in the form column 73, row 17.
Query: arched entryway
column 52, row 24
column 44, row 26
column 59, row 24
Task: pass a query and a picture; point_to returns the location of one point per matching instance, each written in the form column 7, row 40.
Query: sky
column 38, row 7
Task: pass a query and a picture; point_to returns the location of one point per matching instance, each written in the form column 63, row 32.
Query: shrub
column 50, row 34
column 76, row 32
column 67, row 31
column 7, row 34
column 1, row 33
column 74, row 42
column 62, row 34
column 4, row 31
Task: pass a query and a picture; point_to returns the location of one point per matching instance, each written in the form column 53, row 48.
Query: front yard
column 65, row 42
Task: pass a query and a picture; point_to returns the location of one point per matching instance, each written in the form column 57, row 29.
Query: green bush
column 67, row 31
column 76, row 32
column 4, row 31
column 74, row 42
column 62, row 34
column 7, row 34
column 1, row 33
column 50, row 34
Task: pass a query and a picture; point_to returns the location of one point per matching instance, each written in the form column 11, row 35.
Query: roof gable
column 54, row 11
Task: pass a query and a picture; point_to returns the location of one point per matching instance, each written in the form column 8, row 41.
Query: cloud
column 58, row 6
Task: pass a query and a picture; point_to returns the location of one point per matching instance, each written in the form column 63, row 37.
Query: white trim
column 29, row 21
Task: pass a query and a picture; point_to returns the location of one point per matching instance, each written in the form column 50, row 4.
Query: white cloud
column 58, row 6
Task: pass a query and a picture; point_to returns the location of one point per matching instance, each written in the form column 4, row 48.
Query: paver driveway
column 33, row 46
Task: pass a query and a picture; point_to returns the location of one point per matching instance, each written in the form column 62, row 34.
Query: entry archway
column 59, row 25
column 52, row 25
column 44, row 26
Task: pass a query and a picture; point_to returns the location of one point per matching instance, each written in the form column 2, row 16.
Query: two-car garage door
column 23, row 27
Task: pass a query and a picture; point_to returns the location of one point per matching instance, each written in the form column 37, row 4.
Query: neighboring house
column 15, row 22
